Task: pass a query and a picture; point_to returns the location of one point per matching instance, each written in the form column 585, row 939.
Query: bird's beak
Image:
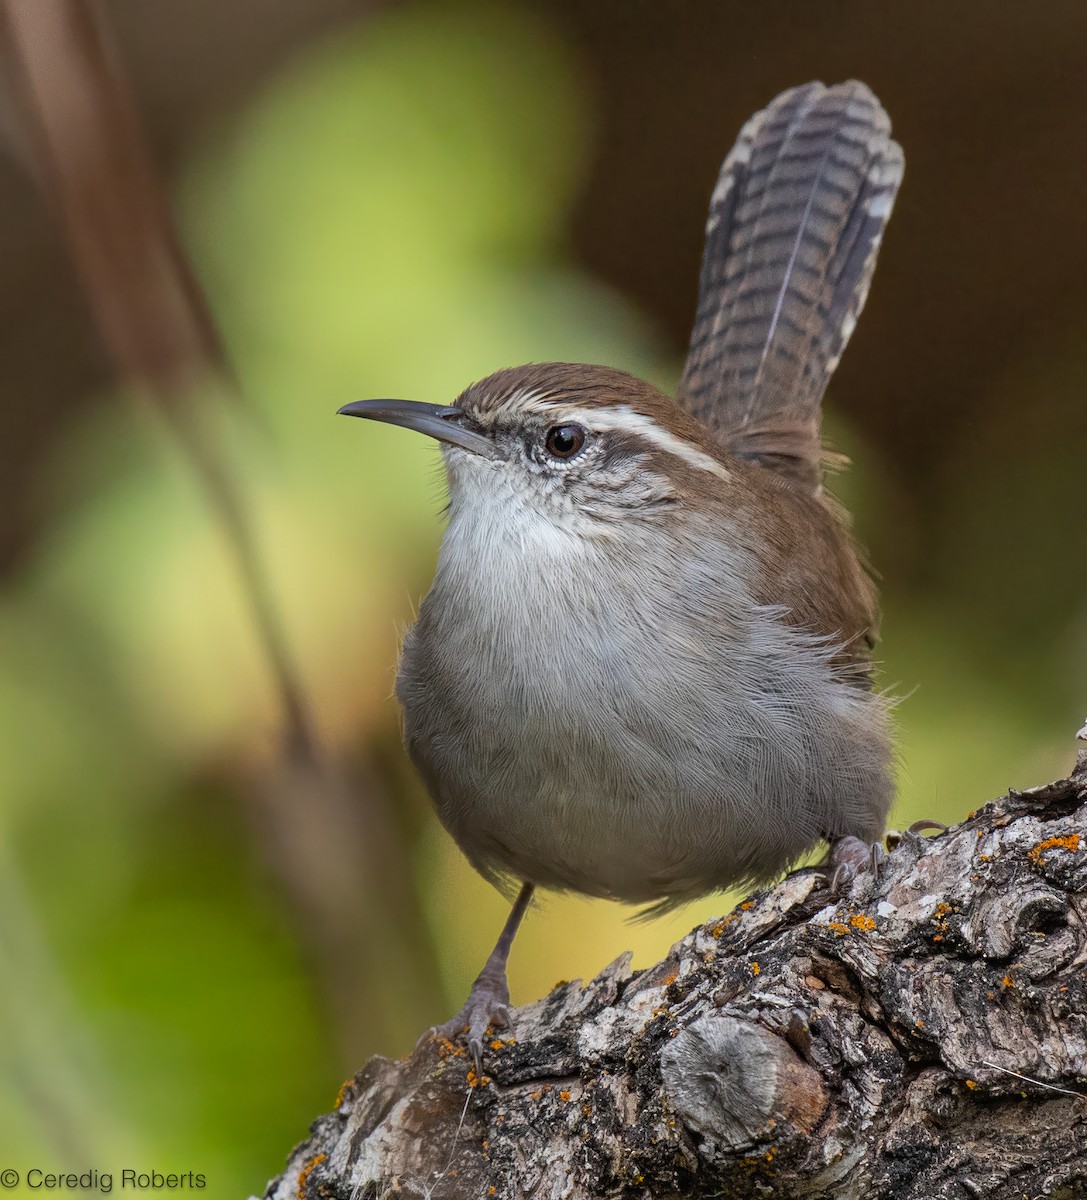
column 435, row 420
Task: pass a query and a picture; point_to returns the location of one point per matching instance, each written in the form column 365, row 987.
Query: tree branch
column 922, row 1036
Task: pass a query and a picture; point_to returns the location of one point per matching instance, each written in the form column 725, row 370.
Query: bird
column 643, row 670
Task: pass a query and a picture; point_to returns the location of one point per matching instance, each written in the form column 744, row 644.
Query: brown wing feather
column 794, row 227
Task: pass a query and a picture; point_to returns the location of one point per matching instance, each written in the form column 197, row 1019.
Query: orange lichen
column 564, row 1096
column 475, row 1081
column 341, row 1095
column 942, row 909
column 862, row 921
column 971, row 1084
column 670, row 978
column 839, row 927
column 1007, row 981
column 1069, row 842
column 448, row 1049
column 307, row 1170
column 497, row 1044
column 919, row 1023
column 747, row 904
column 719, row 927
column 755, row 968
column 937, row 937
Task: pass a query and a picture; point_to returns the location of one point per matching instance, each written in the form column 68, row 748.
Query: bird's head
column 586, row 446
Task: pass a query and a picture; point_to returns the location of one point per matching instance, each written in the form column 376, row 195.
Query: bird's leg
column 488, row 1001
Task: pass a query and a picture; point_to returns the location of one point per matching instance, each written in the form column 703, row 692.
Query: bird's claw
column 894, row 837
column 919, row 827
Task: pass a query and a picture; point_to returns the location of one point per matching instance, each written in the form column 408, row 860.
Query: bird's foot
column 849, row 858
column 488, row 1002
column 488, row 1005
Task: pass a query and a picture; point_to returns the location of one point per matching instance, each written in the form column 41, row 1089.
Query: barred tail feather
column 794, row 227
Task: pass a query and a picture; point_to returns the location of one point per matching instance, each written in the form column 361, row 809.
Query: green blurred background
column 396, row 199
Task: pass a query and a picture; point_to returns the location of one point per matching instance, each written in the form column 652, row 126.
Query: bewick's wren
column 642, row 671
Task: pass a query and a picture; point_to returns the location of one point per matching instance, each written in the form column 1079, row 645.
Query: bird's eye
column 564, row 441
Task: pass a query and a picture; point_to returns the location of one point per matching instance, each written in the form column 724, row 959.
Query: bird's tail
column 794, row 227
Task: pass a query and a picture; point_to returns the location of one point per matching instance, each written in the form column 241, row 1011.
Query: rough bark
column 922, row 1035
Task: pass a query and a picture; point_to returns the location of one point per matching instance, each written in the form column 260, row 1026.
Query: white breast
column 623, row 720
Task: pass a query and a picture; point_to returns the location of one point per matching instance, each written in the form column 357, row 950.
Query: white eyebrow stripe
column 626, row 420
column 518, row 401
